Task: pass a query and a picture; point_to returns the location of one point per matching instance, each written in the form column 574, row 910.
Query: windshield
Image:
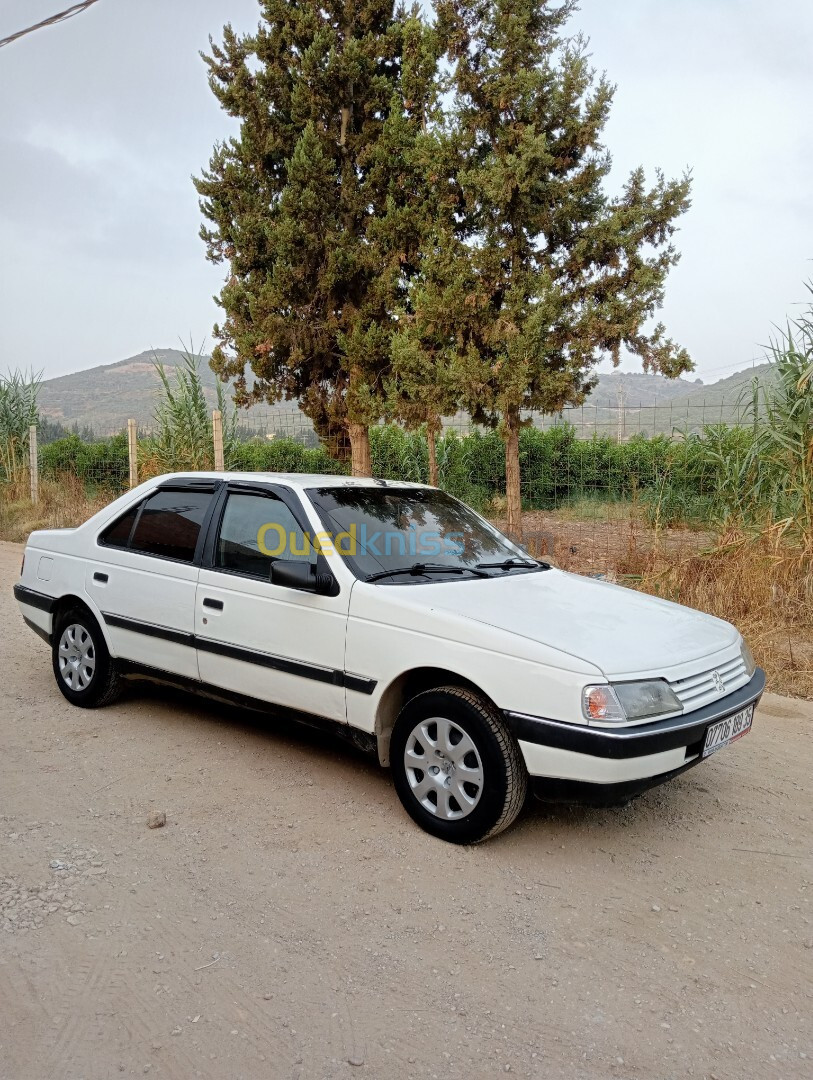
column 378, row 530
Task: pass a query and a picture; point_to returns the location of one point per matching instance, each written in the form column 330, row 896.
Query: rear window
column 169, row 524
column 117, row 534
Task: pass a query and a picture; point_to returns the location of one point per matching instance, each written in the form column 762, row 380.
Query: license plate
column 728, row 730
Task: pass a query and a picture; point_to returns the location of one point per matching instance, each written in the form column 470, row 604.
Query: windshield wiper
column 513, row 563
column 417, row 569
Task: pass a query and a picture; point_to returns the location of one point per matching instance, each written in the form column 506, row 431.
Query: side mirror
column 292, row 574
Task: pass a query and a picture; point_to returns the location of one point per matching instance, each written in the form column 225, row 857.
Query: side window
column 255, row 531
column 118, row 534
column 170, row 524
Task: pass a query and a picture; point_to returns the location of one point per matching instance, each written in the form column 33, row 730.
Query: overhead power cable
column 52, row 20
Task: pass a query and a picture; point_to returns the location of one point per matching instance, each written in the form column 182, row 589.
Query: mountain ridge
column 104, row 397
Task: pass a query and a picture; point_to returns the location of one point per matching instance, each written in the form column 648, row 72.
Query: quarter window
column 169, row 524
column 255, row 531
column 118, row 534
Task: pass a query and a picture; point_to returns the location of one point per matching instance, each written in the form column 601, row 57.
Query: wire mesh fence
column 601, row 485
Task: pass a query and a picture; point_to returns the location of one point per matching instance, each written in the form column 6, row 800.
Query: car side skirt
column 134, row 672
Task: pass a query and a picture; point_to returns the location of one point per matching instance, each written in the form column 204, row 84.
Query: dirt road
column 290, row 922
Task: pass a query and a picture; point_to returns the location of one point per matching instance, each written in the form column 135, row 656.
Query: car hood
column 621, row 631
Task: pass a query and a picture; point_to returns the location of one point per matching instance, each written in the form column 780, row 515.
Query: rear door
column 144, row 573
column 281, row 645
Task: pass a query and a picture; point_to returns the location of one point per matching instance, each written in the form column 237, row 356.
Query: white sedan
column 396, row 615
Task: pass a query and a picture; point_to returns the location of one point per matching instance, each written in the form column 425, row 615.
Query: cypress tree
column 552, row 273
column 314, row 206
column 421, row 387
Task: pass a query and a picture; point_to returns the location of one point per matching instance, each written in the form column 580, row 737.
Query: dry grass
column 63, row 504
column 759, row 583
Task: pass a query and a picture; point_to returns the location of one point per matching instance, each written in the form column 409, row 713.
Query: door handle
column 215, row 605
column 100, row 577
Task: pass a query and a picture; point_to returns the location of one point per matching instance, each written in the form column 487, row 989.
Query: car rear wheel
column 457, row 769
column 83, row 668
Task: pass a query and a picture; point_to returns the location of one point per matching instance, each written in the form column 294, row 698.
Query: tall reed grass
column 183, row 437
column 18, row 412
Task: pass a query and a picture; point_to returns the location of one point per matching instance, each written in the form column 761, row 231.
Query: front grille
column 701, row 689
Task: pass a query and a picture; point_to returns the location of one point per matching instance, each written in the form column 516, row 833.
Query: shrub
column 101, row 465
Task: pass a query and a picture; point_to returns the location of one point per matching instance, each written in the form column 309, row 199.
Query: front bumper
column 603, row 766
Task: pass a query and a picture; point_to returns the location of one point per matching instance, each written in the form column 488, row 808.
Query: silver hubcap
column 443, row 768
column 77, row 657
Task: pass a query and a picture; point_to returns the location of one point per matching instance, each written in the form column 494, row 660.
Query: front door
column 281, row 645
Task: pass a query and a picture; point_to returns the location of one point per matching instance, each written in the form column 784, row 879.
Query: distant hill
column 104, row 398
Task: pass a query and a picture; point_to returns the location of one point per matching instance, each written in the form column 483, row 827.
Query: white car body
column 528, row 643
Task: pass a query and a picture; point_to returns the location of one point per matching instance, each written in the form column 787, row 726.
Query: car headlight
column 747, row 658
column 616, row 702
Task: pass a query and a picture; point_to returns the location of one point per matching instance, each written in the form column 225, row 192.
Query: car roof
column 293, row 480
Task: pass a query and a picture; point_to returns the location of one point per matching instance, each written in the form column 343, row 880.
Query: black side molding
column 630, row 742
column 34, row 599
column 149, row 629
column 249, row 656
column 285, row 664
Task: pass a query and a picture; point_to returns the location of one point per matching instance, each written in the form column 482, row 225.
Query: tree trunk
column 512, row 488
column 431, row 443
column 360, row 449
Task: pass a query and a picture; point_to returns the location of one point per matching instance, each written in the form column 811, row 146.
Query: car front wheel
column 83, row 668
column 457, row 769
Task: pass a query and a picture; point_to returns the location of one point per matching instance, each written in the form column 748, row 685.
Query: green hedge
column 283, row 455
column 101, row 465
column 674, row 479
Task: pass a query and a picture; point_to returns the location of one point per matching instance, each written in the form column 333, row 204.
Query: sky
column 105, row 118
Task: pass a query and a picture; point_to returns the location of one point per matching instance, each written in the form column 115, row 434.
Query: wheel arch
column 73, row 600
column 406, row 686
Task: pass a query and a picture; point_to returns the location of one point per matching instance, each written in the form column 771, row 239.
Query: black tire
column 503, row 780
column 89, row 689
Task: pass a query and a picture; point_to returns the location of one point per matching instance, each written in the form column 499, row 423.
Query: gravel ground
column 290, row 922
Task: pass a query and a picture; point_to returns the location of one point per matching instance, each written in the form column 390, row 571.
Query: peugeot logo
column 717, row 679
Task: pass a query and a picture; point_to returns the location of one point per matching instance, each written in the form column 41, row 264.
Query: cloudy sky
column 103, row 120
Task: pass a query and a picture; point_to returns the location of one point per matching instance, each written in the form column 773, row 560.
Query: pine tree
column 315, row 206
column 554, row 273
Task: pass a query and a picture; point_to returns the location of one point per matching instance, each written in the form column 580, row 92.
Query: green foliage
column 317, row 205
column 762, row 474
column 183, row 437
column 101, row 465
column 784, row 441
column 666, row 505
column 557, row 273
column 284, row 455
column 398, row 454
column 557, row 468
column 18, row 412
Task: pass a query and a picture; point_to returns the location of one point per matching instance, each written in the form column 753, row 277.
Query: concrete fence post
column 217, row 437
column 34, row 464
column 132, row 452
